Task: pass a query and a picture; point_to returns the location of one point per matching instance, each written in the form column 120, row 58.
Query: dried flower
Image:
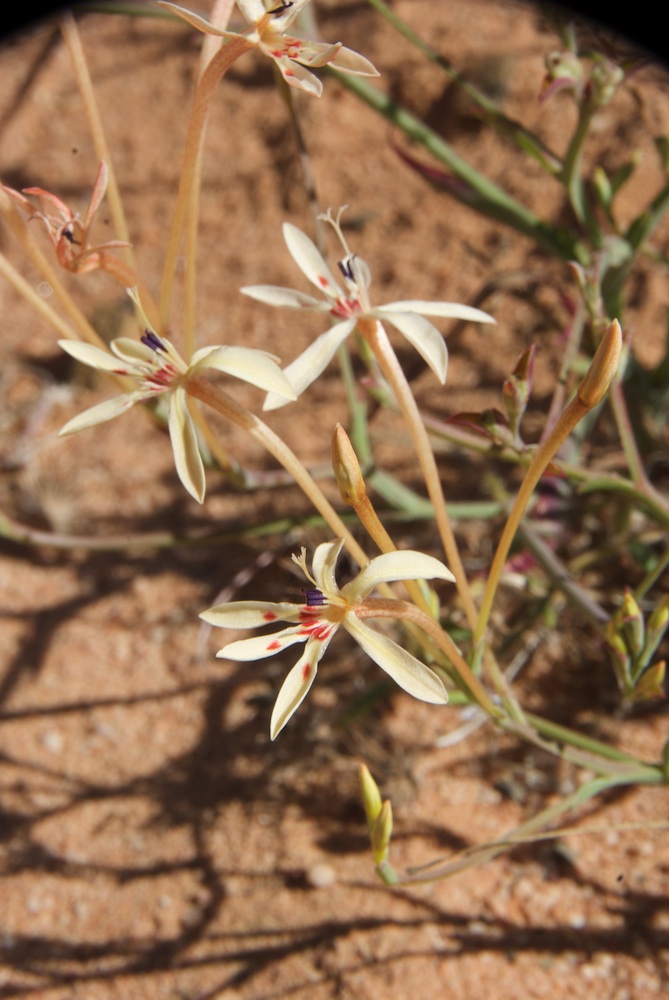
column 349, row 306
column 158, row 368
column 268, row 23
column 68, row 234
column 326, row 608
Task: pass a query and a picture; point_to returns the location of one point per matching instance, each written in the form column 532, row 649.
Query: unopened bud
column 651, row 683
column 602, row 368
column 381, row 833
column 656, row 626
column 347, row 468
column 632, row 624
column 371, row 796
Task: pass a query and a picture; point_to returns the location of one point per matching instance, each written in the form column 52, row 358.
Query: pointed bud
column 651, row 684
column 656, row 626
column 619, row 656
column 381, row 833
column 602, row 368
column 518, row 387
column 605, row 78
column 371, row 796
column 632, row 625
column 347, row 468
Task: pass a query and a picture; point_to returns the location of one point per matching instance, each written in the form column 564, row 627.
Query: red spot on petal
column 269, row 616
column 274, row 645
column 323, row 282
column 306, row 672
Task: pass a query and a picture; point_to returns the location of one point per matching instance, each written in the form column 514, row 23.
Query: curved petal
column 308, row 258
column 187, row 456
column 95, row 357
column 306, row 368
column 134, row 352
column 197, row 22
column 314, row 54
column 323, row 566
column 284, row 298
column 258, row 647
column 296, row 686
column 449, row 310
column 101, row 413
column 402, row 565
column 250, row 365
column 294, row 74
column 250, row 614
column 348, row 61
column 422, row 335
column 411, row 675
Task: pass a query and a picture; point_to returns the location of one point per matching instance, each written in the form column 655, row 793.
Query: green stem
column 480, row 854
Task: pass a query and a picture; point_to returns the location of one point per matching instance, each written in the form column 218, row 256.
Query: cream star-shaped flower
column 158, row 368
column 268, row 22
column 350, row 305
column 327, row 608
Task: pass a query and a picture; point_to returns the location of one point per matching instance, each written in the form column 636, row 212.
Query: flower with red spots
column 351, row 305
column 325, row 609
column 158, row 368
column 268, row 21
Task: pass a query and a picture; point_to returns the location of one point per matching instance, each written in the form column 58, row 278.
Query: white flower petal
column 294, row 74
column 258, row 647
column 316, row 54
column 252, row 366
column 306, row 368
column 296, row 686
column 101, row 413
column 250, row 614
column 422, row 335
column 308, row 258
column 402, row 565
column 135, row 353
column 411, row 675
column 323, row 566
column 187, row 458
column 95, row 357
column 197, row 22
column 252, row 10
column 348, row 61
column 284, row 298
column 449, row 310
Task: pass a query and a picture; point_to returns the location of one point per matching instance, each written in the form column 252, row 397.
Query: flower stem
column 377, row 338
column 212, row 395
column 188, row 184
column 589, row 393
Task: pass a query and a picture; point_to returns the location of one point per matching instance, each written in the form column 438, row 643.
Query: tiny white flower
column 158, row 368
column 349, row 305
column 268, row 22
column 327, row 608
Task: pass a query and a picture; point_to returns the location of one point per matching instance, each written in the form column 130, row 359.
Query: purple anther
column 152, row 341
column 346, row 267
column 315, row 598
